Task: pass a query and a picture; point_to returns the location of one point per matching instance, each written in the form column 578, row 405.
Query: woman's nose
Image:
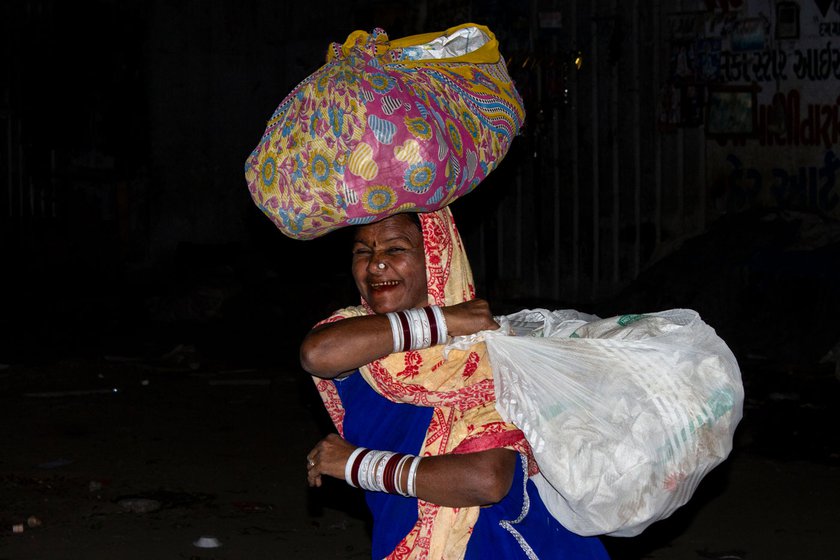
column 377, row 263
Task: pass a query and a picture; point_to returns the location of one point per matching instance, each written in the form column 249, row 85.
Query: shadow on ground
column 144, row 410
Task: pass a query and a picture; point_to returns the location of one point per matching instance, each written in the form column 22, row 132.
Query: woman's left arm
column 454, row 480
column 468, row 479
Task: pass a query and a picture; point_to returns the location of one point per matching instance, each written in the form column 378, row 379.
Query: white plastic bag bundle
column 625, row 415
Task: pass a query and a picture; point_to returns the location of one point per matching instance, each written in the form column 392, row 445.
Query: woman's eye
column 361, row 251
column 394, row 250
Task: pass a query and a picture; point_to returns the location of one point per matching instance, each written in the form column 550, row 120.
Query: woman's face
column 396, row 243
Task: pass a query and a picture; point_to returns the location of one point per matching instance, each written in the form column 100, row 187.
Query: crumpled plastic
column 625, row 415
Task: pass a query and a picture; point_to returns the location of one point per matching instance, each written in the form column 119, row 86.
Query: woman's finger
column 313, row 474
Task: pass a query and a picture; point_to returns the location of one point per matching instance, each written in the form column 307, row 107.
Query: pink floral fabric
column 373, row 133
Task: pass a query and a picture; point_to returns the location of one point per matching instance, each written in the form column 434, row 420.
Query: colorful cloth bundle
column 385, row 127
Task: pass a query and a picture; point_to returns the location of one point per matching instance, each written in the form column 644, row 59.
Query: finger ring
column 310, row 462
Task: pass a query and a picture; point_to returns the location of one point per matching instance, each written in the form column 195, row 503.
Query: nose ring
column 381, row 266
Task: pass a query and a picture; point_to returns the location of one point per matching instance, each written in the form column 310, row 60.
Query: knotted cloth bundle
column 385, row 127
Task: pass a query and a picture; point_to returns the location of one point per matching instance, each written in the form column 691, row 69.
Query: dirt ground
column 140, row 419
column 118, row 458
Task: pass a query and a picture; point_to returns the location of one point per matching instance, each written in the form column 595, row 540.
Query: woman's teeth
column 389, row 283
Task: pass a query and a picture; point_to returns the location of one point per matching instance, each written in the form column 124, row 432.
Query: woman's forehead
column 399, row 226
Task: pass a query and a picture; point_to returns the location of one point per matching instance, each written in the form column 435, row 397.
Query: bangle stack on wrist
column 381, row 471
column 417, row 328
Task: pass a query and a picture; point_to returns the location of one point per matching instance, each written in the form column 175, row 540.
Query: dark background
column 128, row 124
column 126, row 214
column 128, row 230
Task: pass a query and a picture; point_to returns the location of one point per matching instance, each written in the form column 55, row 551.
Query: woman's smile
column 386, row 285
column 385, row 293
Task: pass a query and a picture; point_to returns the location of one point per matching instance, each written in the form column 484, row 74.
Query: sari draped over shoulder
column 457, row 387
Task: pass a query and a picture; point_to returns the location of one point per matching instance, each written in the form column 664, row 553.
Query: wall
column 647, row 122
column 126, row 125
column 790, row 159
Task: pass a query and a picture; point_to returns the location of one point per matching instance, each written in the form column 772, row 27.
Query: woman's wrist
column 382, row 471
column 414, row 329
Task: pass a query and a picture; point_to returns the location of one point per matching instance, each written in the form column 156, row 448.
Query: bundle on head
column 385, row 127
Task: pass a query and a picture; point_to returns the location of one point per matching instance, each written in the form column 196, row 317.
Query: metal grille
column 595, row 190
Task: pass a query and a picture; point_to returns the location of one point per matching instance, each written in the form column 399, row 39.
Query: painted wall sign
column 815, row 64
column 731, row 112
column 787, row 20
column 791, row 157
column 810, row 185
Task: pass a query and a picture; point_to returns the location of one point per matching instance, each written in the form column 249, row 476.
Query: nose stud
column 381, row 266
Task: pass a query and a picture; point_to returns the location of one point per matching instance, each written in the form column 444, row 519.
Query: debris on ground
column 207, row 542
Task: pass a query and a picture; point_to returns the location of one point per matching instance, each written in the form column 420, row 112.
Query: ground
column 139, row 416
column 219, row 451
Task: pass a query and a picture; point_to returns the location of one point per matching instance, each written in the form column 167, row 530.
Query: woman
column 469, row 496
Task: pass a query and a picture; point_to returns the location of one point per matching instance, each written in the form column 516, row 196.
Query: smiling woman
column 418, row 430
column 383, row 138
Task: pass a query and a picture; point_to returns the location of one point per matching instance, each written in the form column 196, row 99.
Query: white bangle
column 380, row 471
column 398, row 475
column 411, row 483
column 421, row 332
column 426, row 329
column 396, row 331
column 442, row 331
column 416, row 325
column 413, row 328
column 371, row 467
column 348, row 467
column 370, row 472
column 377, row 468
column 413, row 335
column 364, row 470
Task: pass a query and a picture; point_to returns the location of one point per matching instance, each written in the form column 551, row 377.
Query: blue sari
column 517, row 527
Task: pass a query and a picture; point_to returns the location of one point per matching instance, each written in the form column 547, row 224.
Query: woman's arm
column 469, row 479
column 335, row 348
column 332, row 349
column 463, row 480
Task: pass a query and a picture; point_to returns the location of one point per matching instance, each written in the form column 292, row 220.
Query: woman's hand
column 470, row 479
column 328, row 457
column 469, row 317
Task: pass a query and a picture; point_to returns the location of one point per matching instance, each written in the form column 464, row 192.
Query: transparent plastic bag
column 625, row 415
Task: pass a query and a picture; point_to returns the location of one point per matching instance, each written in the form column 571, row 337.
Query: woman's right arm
column 335, row 348
column 332, row 349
